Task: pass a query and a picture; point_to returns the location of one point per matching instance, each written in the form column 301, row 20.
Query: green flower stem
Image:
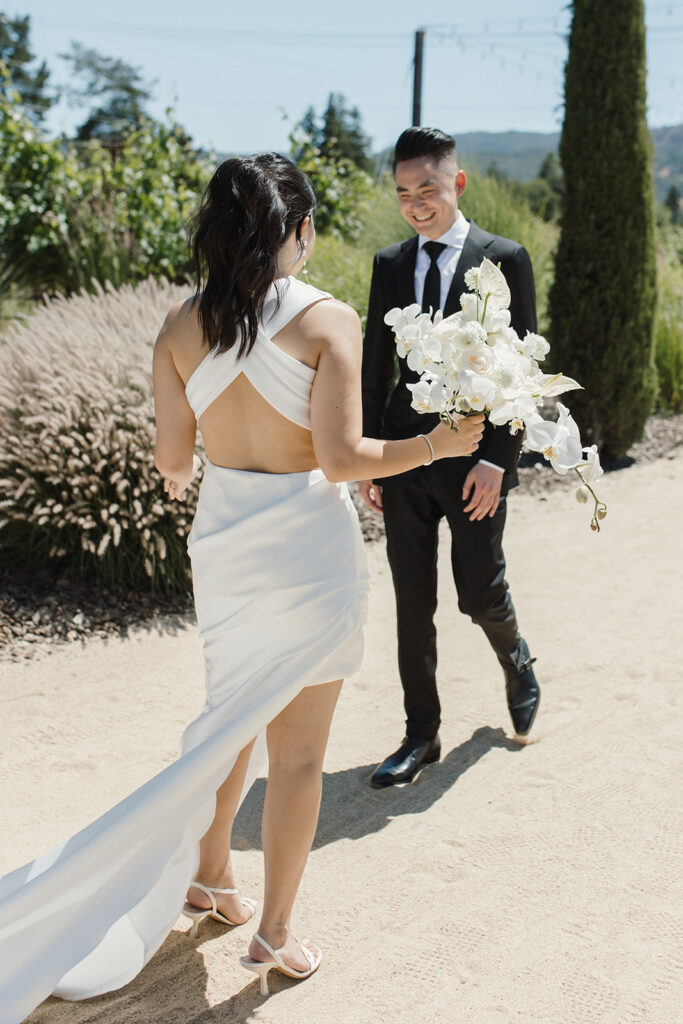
column 599, row 506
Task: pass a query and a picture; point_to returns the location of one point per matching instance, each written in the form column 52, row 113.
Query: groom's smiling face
column 428, row 190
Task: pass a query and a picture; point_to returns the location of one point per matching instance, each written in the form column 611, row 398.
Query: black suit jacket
column 387, row 412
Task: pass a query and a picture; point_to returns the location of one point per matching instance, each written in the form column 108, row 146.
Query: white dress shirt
column 447, row 261
column 454, row 239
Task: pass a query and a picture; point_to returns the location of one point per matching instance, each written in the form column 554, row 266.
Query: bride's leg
column 297, row 739
column 214, row 849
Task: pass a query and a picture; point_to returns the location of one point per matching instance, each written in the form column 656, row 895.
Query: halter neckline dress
column 281, row 585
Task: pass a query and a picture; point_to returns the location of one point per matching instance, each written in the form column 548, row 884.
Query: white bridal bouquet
column 473, row 361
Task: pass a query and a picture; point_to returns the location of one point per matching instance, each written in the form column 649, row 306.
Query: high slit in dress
column 281, row 583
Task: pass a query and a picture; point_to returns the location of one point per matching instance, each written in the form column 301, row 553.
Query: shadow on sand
column 170, row 990
column 351, row 809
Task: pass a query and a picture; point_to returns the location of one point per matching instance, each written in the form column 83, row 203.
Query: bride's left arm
column 176, row 425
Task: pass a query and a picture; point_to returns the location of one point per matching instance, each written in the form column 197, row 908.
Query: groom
column 470, row 492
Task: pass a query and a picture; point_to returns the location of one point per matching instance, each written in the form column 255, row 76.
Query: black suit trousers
column 414, row 504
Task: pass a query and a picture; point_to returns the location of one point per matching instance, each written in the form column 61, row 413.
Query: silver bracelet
column 431, row 449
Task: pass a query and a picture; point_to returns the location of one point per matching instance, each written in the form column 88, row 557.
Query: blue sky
column 233, row 71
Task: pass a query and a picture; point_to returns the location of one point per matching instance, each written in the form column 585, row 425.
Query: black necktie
column 431, row 296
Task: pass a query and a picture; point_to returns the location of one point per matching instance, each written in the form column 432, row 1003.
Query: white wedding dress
column 281, row 585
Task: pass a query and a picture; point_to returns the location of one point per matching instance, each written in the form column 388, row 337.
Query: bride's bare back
column 302, row 411
column 241, row 430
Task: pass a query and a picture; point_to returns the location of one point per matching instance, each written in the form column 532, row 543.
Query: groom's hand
column 482, row 487
column 371, row 495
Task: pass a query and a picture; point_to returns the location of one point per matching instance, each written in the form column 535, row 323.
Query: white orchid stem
column 599, row 507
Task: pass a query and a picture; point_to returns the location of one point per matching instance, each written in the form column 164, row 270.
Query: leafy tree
column 15, row 58
column 71, row 214
column 544, row 193
column 603, row 298
column 673, row 204
column 341, row 187
column 551, row 171
column 119, row 88
column 339, row 134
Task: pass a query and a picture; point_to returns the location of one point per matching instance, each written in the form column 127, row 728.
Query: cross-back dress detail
column 283, row 381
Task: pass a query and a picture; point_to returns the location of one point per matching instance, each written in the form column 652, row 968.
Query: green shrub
column 72, row 212
column 342, row 188
column 78, row 487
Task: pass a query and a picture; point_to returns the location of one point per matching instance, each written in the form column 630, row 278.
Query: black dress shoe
column 403, row 765
column 524, row 696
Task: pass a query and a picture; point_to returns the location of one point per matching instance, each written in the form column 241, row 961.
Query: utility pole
column 417, row 76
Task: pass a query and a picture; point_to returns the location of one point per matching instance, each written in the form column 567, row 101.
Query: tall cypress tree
column 603, row 298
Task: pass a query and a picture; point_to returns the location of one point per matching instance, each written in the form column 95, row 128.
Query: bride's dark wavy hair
column 250, row 206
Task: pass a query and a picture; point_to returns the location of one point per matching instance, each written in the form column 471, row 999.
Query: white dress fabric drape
column 281, row 585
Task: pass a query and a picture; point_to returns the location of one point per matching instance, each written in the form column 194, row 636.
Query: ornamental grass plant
column 78, row 488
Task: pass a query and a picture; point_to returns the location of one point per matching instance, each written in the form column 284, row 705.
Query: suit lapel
column 403, row 277
column 473, row 252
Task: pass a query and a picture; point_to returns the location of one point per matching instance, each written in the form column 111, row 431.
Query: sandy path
column 506, row 884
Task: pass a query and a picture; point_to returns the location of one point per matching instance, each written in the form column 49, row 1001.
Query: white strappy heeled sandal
column 261, row 967
column 199, row 914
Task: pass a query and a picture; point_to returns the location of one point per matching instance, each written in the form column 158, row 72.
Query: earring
column 304, row 245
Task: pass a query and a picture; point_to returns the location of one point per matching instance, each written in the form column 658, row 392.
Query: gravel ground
column 37, row 609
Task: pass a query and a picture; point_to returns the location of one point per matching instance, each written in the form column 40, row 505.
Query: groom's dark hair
column 414, row 142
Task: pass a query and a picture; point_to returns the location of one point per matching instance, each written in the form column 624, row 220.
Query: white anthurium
column 428, row 396
column 491, row 284
column 551, row 385
column 493, row 318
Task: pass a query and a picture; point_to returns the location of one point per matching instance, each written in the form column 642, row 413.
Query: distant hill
column 518, row 155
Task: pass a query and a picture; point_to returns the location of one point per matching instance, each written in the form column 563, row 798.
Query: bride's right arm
column 336, row 411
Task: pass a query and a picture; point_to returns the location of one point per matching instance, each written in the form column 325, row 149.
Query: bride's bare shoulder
column 328, row 319
column 182, row 322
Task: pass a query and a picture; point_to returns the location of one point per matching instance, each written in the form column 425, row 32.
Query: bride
column 268, row 368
